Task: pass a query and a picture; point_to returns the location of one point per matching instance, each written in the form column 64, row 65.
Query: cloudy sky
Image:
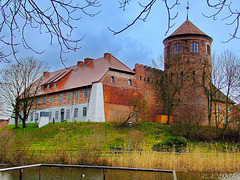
column 138, row 44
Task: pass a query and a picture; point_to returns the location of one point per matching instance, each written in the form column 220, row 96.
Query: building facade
column 102, row 90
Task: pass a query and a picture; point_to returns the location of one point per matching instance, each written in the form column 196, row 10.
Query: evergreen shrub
column 177, row 144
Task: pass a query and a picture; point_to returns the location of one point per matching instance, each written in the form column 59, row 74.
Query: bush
column 177, row 144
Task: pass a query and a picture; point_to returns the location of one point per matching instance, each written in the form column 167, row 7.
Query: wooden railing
column 104, row 168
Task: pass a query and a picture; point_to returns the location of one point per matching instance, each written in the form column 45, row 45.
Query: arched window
column 112, row 79
column 129, row 82
column 177, row 48
column 194, row 47
column 208, row 49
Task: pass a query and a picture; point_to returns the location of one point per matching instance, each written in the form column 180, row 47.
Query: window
column 54, row 85
column 36, row 116
column 61, row 97
column 224, row 120
column 68, row 96
column 112, row 79
column 51, row 99
column 140, row 78
column 50, row 115
column 31, row 117
column 75, row 113
column 181, row 73
column 68, row 114
column 177, row 48
column 208, row 49
column 44, row 114
column 194, row 73
column 76, row 94
column 85, row 93
column 230, row 120
column 219, row 107
column 129, row 82
column 44, row 100
column 39, row 101
column 56, row 114
column 229, row 109
column 84, row 111
column 48, row 87
column 42, row 88
column 194, row 47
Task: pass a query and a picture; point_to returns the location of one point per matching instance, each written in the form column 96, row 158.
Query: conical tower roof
column 187, row 28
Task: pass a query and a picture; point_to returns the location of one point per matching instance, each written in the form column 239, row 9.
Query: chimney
column 45, row 73
column 107, row 56
column 79, row 63
column 87, row 60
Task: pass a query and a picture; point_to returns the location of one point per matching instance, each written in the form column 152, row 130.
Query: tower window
column 208, row 49
column 177, row 48
column 194, row 47
column 112, row 79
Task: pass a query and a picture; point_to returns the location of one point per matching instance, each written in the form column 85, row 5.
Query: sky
column 140, row 43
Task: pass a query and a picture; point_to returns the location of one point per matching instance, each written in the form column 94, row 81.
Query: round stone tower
column 187, row 58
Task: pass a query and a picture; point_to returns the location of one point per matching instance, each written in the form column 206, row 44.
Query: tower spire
column 187, row 8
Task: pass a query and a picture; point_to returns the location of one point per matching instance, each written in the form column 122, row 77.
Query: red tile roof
column 187, row 28
column 83, row 74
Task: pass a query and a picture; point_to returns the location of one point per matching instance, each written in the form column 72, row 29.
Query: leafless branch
column 54, row 18
column 143, row 15
column 235, row 14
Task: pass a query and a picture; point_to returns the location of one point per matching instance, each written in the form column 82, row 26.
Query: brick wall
column 118, row 95
column 192, row 98
column 3, row 123
column 56, row 98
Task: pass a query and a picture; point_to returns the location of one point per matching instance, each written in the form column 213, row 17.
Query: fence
column 104, row 168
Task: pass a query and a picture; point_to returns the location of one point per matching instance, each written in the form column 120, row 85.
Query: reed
column 190, row 162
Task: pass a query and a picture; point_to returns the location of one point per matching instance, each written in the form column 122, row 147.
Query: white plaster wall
column 96, row 104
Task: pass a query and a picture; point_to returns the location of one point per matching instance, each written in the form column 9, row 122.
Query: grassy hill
column 91, row 135
column 90, row 143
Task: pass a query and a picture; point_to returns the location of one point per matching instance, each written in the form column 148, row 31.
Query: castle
column 102, row 90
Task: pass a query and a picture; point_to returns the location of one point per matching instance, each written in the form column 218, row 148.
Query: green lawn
column 87, row 135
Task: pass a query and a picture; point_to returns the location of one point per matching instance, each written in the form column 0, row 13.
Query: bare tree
column 54, row 18
column 138, row 108
column 217, row 6
column 170, row 82
column 229, row 65
column 19, row 86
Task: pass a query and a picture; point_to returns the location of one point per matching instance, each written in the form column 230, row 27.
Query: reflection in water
column 56, row 173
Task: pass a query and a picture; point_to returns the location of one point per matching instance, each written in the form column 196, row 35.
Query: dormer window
column 54, row 85
column 112, row 79
column 177, row 48
column 42, row 87
column 48, row 87
column 194, row 47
